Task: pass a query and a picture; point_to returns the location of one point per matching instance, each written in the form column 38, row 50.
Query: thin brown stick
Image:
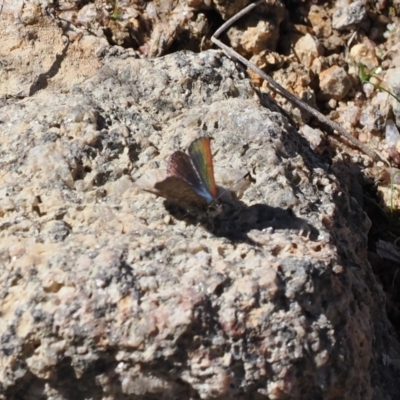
column 237, row 16
column 282, row 91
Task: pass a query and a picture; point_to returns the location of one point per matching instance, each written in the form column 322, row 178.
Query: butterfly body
column 190, row 178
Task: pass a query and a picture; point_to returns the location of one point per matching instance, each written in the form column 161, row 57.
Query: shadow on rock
column 237, row 219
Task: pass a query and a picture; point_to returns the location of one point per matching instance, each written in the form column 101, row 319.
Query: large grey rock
column 108, row 294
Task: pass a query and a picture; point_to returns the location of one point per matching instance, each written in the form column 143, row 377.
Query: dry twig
column 281, row 90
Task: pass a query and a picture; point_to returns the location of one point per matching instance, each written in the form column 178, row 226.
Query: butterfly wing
column 181, row 166
column 178, row 191
column 200, row 154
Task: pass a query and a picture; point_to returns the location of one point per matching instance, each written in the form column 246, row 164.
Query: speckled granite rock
column 108, row 294
column 350, row 16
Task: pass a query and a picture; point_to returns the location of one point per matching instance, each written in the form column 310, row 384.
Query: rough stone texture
column 300, row 80
column 334, row 83
column 308, row 49
column 35, row 54
column 109, row 294
column 320, row 21
column 350, row 16
column 228, row 8
column 392, row 82
column 365, row 53
column 102, row 288
column 258, row 31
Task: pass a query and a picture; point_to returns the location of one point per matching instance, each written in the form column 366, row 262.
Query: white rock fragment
column 392, row 135
column 365, row 53
column 88, row 14
column 308, row 48
column 347, row 17
column 392, row 80
column 314, row 136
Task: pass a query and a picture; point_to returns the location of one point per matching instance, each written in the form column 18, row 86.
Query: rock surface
column 335, row 83
column 349, row 16
column 108, row 293
column 392, row 77
column 308, row 49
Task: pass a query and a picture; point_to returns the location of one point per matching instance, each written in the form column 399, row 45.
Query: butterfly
column 190, row 180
